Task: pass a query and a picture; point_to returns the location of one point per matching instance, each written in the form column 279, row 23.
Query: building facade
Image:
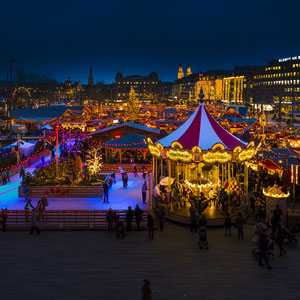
column 210, row 86
column 233, row 88
column 277, row 83
column 184, row 87
column 145, row 87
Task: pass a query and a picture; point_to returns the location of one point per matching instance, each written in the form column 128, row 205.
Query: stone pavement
column 96, row 265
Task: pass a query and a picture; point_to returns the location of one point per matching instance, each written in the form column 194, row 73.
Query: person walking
column 110, row 219
column 277, row 213
column 135, row 171
column 239, row 223
column 4, row 178
column 26, row 208
column 161, row 217
column 144, row 192
column 129, row 218
column 227, row 225
column 150, row 223
column 113, row 176
column 146, row 290
column 193, row 218
column 125, row 180
column 25, row 191
column 34, row 221
column 280, row 240
column 22, row 173
column 138, row 216
column 3, row 218
column 105, row 191
column 263, row 249
column 39, row 209
column 202, row 221
column 252, row 204
column 110, row 181
column 8, row 175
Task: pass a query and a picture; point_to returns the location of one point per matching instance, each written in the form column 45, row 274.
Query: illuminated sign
column 289, row 58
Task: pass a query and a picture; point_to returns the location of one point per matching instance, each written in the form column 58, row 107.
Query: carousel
column 204, row 163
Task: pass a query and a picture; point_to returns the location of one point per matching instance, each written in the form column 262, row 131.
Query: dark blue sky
column 62, row 38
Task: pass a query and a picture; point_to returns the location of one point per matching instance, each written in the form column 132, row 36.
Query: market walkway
column 95, row 265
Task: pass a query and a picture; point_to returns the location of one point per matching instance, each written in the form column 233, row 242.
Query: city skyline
column 138, row 39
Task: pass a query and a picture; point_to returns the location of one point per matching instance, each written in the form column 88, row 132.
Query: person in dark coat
column 277, row 213
column 144, row 192
column 202, row 221
column 138, row 216
column 135, row 171
column 193, row 218
column 8, row 175
column 150, row 223
column 280, row 240
column 129, row 218
column 34, row 221
column 22, row 173
column 110, row 219
column 161, row 217
column 26, row 208
column 3, row 218
column 239, row 223
column 146, row 290
column 105, row 191
column 228, row 225
column 263, row 249
column 125, row 179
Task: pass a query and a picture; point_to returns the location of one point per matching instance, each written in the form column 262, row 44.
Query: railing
column 67, row 219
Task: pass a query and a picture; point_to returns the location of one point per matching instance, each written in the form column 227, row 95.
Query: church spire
column 188, row 71
column 91, row 78
column 180, row 72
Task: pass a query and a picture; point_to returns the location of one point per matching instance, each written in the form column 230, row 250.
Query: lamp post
column 11, row 89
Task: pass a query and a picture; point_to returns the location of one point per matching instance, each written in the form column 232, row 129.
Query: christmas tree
column 133, row 106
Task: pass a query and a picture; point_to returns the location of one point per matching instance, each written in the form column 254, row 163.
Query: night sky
column 62, row 38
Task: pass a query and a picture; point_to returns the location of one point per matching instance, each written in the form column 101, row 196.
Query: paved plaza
column 96, row 265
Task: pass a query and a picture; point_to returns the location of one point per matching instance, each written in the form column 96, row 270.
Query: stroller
column 256, row 252
column 203, row 238
column 120, row 230
column 290, row 238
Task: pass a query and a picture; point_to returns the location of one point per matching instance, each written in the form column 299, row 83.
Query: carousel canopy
column 202, row 130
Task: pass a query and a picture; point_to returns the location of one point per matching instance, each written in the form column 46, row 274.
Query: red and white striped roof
column 202, row 130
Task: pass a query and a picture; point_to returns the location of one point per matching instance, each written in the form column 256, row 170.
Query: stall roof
column 43, row 114
column 128, row 124
column 131, row 141
column 285, row 152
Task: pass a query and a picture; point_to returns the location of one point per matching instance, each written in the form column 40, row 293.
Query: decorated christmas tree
column 133, row 106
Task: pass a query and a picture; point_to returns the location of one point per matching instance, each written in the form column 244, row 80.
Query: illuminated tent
column 202, row 130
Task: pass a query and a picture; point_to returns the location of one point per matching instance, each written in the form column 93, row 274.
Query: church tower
column 188, row 71
column 91, row 78
column 180, row 72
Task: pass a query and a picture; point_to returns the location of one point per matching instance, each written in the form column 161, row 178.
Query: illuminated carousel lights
column 200, row 186
column 270, row 194
column 179, row 155
column 217, row 157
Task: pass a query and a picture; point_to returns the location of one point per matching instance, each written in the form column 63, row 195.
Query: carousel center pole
column 56, row 156
column 229, row 181
column 150, row 189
